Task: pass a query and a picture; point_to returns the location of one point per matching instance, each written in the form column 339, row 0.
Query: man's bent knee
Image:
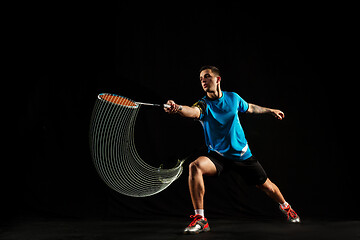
column 194, row 168
column 203, row 166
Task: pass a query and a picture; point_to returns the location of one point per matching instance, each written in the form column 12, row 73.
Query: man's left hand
column 278, row 114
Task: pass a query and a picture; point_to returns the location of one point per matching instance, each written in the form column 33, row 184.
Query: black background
column 293, row 58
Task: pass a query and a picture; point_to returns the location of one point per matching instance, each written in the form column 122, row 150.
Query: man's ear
column 218, row 79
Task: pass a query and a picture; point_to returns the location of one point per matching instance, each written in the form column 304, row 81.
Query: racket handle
column 166, row 105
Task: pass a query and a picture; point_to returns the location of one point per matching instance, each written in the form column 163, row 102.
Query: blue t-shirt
column 223, row 131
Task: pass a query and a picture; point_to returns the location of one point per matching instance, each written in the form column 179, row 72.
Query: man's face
column 209, row 80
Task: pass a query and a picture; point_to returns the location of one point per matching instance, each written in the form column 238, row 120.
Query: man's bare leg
column 201, row 166
column 272, row 191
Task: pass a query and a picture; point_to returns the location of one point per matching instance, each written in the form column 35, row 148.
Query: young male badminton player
column 227, row 146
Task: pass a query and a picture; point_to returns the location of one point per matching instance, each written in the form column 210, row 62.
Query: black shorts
column 250, row 169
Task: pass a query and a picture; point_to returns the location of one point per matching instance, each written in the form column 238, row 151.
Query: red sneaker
column 292, row 217
column 198, row 225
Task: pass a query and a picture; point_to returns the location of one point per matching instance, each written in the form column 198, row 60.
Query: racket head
column 118, row 100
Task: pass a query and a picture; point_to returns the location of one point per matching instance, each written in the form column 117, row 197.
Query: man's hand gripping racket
column 171, row 107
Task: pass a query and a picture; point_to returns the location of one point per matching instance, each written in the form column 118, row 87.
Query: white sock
column 284, row 205
column 199, row 212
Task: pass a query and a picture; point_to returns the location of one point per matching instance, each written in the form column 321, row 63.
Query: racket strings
column 114, row 154
column 117, row 99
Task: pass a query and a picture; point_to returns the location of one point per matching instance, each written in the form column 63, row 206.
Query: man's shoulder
column 234, row 97
column 231, row 94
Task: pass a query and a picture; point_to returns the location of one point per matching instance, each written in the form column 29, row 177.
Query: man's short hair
column 213, row 69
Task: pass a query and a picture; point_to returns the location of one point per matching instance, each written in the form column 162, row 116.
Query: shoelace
column 196, row 218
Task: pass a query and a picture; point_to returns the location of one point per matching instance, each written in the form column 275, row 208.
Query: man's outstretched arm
column 185, row 111
column 255, row 109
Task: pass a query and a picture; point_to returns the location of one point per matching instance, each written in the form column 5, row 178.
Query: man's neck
column 214, row 95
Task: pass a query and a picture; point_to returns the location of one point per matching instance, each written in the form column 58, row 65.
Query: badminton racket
column 114, row 153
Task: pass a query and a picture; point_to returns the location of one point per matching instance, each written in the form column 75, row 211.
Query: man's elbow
column 250, row 108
